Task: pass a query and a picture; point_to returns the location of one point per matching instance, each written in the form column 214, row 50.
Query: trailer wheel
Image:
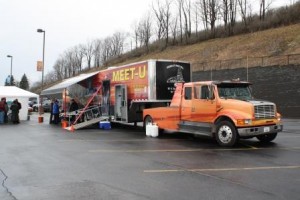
column 267, row 138
column 226, row 134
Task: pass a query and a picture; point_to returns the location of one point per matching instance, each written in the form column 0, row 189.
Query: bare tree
column 162, row 12
column 167, row 18
column 174, row 29
column 107, row 49
column 87, row 51
column 78, row 58
column 263, row 7
column 196, row 17
column 159, row 14
column 245, row 10
column 145, row 31
column 186, row 9
column 117, row 42
column 97, row 52
column 203, row 12
column 213, row 8
column 229, row 15
column 180, row 6
column 60, row 69
column 136, row 33
column 68, row 56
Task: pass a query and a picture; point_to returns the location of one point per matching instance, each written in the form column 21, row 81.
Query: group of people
column 54, row 110
column 14, row 107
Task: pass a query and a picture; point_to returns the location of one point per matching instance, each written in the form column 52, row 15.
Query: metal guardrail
column 281, row 60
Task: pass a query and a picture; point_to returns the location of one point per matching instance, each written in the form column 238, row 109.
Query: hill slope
column 279, row 41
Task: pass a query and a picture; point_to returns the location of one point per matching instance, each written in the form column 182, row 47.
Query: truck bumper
column 261, row 130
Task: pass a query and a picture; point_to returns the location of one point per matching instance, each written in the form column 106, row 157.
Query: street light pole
column 44, row 35
column 11, row 61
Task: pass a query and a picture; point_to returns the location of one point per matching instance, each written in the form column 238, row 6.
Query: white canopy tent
column 12, row 92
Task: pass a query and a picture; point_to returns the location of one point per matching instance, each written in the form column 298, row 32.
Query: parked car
column 46, row 106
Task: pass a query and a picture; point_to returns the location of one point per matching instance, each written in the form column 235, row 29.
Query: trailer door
column 121, row 103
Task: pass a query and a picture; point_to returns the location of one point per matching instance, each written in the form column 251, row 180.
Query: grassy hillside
column 272, row 42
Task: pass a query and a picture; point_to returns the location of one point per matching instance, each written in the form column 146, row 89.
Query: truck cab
column 224, row 110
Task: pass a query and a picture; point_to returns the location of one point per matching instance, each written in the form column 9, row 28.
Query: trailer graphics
column 127, row 90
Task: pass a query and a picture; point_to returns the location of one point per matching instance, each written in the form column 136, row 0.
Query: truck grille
column 264, row 111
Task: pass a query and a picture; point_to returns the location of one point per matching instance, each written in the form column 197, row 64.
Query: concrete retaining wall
column 279, row 84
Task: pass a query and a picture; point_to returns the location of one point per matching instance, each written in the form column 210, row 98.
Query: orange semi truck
column 224, row 110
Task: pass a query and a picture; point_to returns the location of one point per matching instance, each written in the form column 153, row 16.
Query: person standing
column 2, row 110
column 55, row 111
column 73, row 108
column 51, row 111
column 20, row 107
column 6, row 111
column 15, row 107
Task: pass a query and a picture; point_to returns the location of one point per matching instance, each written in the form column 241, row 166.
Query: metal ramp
column 88, row 115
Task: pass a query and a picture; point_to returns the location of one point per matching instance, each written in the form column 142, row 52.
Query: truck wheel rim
column 225, row 134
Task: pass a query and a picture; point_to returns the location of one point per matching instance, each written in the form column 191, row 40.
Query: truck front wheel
column 148, row 120
column 267, row 138
column 226, row 134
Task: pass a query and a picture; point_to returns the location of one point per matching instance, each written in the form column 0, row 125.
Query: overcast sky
column 67, row 23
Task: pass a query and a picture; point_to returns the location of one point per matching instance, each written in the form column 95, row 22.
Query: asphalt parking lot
column 46, row 162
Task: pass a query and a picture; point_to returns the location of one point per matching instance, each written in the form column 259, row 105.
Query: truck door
column 204, row 107
column 186, row 104
column 121, row 102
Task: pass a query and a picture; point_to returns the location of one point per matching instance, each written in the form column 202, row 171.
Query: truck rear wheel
column 226, row 134
column 267, row 138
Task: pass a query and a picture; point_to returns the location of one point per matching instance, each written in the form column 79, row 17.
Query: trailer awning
column 58, row 88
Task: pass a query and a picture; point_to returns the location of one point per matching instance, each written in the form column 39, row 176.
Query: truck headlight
column 248, row 121
column 244, row 121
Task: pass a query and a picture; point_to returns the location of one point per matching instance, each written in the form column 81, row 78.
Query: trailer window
column 188, row 93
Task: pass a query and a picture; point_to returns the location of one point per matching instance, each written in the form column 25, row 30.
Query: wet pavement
column 45, row 162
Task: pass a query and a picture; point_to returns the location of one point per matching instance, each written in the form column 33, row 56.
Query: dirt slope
column 279, row 41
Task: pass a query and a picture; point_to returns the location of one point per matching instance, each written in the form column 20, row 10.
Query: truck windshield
column 234, row 91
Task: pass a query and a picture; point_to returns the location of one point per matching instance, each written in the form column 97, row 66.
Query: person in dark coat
column 15, row 112
column 6, row 110
column 20, row 107
column 73, row 107
column 51, row 112
column 55, row 111
column 2, row 110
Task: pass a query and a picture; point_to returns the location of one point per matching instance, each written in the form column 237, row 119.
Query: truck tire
column 226, row 134
column 267, row 138
column 148, row 120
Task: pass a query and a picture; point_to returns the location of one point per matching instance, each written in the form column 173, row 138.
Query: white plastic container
column 152, row 130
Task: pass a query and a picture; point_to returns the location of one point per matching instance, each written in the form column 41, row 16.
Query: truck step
column 195, row 128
